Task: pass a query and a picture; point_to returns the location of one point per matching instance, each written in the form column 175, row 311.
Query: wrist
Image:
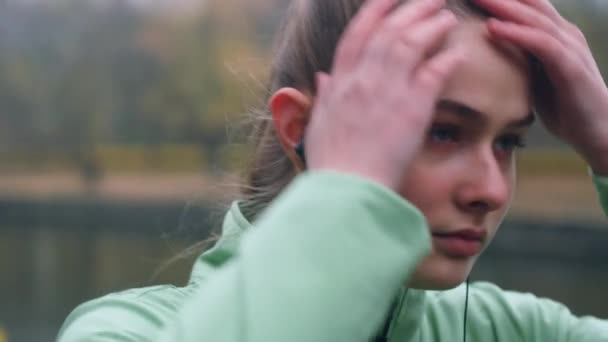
column 378, row 175
column 597, row 159
column 599, row 168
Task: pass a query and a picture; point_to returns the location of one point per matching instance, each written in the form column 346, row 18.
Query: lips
column 463, row 243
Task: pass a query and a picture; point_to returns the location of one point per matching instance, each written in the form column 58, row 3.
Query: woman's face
column 463, row 178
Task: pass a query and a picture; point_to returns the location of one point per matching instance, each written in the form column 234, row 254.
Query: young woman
column 410, row 115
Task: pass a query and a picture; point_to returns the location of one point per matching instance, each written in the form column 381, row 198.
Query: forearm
column 597, row 159
column 322, row 265
column 601, row 184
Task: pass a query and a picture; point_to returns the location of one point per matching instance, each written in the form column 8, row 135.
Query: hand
column 573, row 101
column 371, row 115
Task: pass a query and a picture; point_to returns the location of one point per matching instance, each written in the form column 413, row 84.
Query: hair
column 306, row 44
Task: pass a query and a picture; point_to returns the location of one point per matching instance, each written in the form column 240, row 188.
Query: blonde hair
column 305, row 45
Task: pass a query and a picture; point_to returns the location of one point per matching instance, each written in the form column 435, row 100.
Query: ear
column 290, row 110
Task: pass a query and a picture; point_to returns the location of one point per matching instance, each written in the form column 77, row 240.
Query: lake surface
column 47, row 270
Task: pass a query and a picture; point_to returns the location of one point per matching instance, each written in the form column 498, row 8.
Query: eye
column 444, row 133
column 510, row 142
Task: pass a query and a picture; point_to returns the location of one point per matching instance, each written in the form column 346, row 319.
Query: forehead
column 493, row 78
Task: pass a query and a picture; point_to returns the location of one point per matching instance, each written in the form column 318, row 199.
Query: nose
column 486, row 184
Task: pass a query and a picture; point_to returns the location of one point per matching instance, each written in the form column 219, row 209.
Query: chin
column 439, row 272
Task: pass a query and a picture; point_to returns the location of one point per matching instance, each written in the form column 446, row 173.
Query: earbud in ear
column 299, row 149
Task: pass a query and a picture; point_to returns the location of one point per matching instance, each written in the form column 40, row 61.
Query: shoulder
column 490, row 298
column 493, row 311
column 131, row 315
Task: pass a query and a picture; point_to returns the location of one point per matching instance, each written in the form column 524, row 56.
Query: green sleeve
column 601, row 184
column 134, row 315
column 494, row 314
column 539, row 319
column 547, row 320
column 498, row 315
column 322, row 264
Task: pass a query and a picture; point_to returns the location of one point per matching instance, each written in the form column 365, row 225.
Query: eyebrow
column 470, row 113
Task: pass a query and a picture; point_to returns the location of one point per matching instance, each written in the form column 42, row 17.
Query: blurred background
column 121, row 138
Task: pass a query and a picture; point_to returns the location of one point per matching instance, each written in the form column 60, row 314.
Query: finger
column 321, row 81
column 320, row 97
column 426, row 37
column 520, row 13
column 357, row 33
column 321, row 84
column 350, row 53
column 399, row 55
column 577, row 34
column 545, row 7
column 557, row 60
column 410, row 13
column 433, row 74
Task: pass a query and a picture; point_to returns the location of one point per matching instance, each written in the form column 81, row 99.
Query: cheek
column 432, row 182
column 427, row 185
column 511, row 179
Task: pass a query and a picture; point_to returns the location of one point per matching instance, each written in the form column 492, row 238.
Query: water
column 47, row 271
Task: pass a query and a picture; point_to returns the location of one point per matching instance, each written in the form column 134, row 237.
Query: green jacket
column 324, row 263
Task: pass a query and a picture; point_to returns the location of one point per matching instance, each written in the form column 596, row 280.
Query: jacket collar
column 225, row 248
column 408, row 315
column 405, row 318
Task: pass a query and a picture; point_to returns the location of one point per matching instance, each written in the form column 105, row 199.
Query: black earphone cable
column 300, row 152
column 299, row 149
column 466, row 310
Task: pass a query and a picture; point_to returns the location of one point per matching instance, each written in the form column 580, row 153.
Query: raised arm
column 601, row 184
column 322, row 265
column 328, row 256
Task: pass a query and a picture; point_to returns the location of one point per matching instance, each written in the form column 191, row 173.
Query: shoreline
column 567, row 197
